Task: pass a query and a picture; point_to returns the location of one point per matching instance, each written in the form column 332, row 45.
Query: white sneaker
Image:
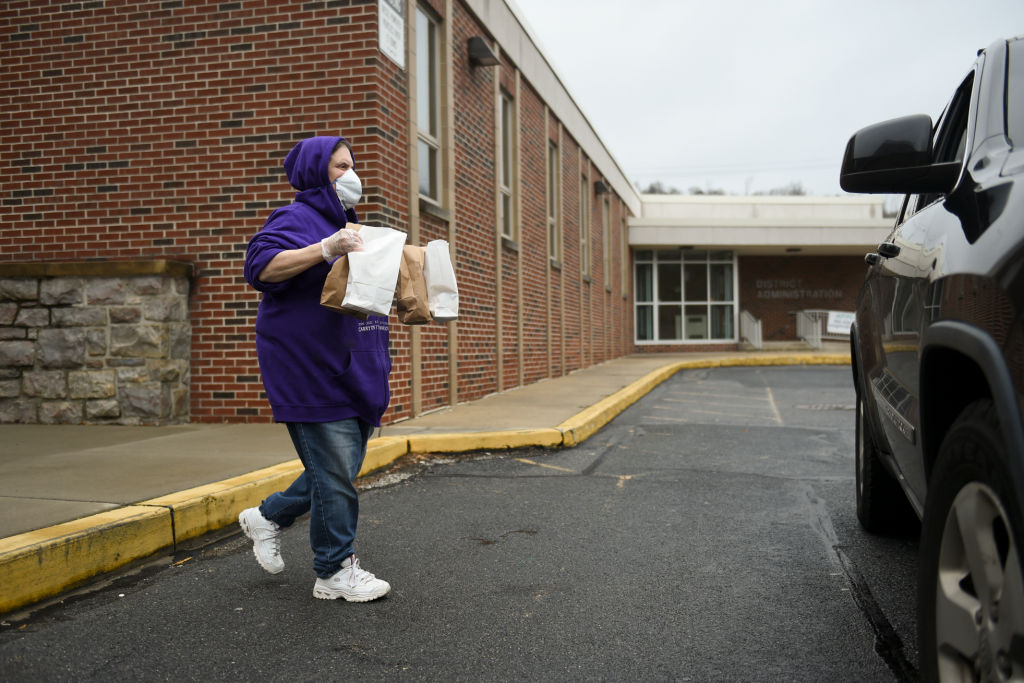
column 352, row 583
column 266, row 539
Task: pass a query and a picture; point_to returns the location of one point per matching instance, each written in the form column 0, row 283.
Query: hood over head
column 307, row 168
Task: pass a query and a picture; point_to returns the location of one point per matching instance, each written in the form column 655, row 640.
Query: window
column 428, row 106
column 1015, row 94
column 606, row 243
column 507, row 118
column 685, row 296
column 623, row 260
column 585, row 226
column 554, row 197
column 950, row 139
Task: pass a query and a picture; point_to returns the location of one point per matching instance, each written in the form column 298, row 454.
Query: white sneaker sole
column 243, row 522
column 325, row 593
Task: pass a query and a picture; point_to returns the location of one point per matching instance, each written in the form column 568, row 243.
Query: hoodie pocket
column 364, row 383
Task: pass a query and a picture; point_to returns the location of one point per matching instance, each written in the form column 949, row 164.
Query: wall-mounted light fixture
column 480, row 53
column 600, row 187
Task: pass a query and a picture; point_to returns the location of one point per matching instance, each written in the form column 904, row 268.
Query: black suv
column 938, row 362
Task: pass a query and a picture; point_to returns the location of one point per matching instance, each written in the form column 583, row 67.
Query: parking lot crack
column 612, row 445
column 888, row 644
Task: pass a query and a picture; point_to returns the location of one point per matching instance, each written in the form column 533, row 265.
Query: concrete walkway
column 79, row 501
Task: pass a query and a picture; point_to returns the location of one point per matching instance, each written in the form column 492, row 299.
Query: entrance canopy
column 765, row 225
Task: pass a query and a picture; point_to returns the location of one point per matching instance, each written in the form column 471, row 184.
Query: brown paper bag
column 334, row 289
column 412, row 306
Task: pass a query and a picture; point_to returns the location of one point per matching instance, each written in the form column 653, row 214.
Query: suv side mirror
column 895, row 157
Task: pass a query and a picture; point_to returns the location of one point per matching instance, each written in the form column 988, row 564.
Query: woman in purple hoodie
column 326, row 374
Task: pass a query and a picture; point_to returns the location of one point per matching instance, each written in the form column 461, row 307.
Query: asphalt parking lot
column 707, row 533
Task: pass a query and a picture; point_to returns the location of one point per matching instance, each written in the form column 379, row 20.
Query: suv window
column 952, row 138
column 1015, row 93
column 949, row 142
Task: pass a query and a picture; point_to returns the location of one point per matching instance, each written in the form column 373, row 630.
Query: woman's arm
column 291, row 262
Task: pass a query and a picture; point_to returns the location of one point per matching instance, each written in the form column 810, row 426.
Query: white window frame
column 428, row 97
column 554, row 201
column 623, row 256
column 584, row 225
column 653, row 256
column 507, row 166
column 606, row 243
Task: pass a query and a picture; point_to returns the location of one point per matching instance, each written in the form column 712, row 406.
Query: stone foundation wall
column 95, row 343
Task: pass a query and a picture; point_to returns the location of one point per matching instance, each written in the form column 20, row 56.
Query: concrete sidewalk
column 79, row 501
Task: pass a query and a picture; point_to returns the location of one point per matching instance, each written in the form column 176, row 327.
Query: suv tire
column 971, row 558
column 881, row 505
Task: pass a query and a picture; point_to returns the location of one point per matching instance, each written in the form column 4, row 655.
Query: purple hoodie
column 317, row 365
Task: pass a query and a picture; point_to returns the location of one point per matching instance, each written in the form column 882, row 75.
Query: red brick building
column 142, row 145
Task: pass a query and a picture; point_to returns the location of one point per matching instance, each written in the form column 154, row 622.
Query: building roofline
column 760, row 199
column 762, row 224
column 507, row 25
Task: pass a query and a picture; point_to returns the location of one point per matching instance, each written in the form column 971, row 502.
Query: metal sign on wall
column 391, row 30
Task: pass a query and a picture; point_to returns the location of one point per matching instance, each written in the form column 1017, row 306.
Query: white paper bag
column 373, row 271
column 442, row 292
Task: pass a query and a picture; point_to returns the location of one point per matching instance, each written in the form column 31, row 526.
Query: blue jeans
column 332, row 454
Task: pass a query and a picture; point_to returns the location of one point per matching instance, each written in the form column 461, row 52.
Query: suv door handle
column 888, row 250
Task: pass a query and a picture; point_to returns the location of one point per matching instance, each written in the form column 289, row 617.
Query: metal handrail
column 808, row 327
column 812, row 327
column 750, row 329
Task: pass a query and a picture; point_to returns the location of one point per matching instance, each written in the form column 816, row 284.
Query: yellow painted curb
column 586, row 423
column 478, row 441
column 213, row 506
column 42, row 563
column 383, row 451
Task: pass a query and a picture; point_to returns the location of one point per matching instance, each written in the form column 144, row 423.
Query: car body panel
column 938, row 356
column 939, row 318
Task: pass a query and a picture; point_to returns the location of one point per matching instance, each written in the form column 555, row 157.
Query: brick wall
column 156, row 130
column 141, row 130
column 533, row 234
column 435, row 391
column 511, row 261
column 474, row 215
column 570, row 277
column 773, row 288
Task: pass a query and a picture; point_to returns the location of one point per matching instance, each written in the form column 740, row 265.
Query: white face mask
column 349, row 188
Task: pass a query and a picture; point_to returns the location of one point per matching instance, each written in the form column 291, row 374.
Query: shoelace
column 360, row 575
column 273, row 537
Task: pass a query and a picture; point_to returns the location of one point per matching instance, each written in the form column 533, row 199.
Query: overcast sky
column 748, row 95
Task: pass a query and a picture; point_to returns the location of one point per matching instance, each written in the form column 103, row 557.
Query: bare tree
column 709, row 191
column 793, row 189
column 657, row 187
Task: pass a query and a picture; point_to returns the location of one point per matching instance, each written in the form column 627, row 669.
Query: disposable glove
column 341, row 242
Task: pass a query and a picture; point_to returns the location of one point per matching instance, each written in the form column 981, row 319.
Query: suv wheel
column 971, row 621
column 881, row 505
